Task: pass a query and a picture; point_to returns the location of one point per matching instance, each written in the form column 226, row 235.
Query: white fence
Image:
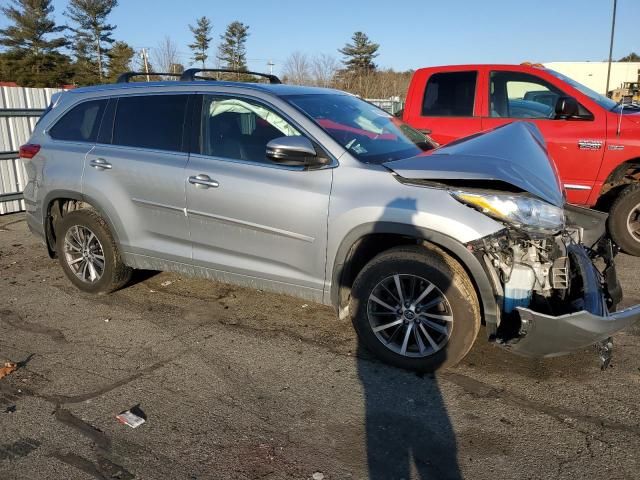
column 392, row 105
column 20, row 108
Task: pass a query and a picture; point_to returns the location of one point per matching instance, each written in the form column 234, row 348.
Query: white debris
column 305, row 305
column 134, row 417
column 318, row 476
column 166, row 283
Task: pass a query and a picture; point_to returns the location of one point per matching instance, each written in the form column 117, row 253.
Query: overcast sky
column 411, row 33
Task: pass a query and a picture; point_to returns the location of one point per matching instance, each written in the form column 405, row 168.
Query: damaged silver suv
column 318, row 194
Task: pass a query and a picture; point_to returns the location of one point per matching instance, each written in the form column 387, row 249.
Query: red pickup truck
column 594, row 141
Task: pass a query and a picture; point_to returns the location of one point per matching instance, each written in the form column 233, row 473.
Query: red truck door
column 576, row 144
column 443, row 103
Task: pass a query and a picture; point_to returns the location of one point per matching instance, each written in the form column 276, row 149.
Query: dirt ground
column 240, row 384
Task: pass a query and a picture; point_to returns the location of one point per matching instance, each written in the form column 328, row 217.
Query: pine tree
column 632, row 57
column 120, row 57
column 359, row 55
column 202, row 39
column 32, row 57
column 232, row 51
column 92, row 37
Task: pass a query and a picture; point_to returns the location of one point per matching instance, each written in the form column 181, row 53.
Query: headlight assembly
column 519, row 210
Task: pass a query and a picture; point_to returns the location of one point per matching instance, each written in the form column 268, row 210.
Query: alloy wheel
column 84, row 254
column 410, row 315
column 633, row 223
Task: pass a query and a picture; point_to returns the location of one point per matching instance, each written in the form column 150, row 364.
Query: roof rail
column 125, row 77
column 190, row 74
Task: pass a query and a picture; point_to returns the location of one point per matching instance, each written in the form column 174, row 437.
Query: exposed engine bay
column 552, row 275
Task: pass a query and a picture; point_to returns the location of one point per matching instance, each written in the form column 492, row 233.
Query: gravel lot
column 242, row 384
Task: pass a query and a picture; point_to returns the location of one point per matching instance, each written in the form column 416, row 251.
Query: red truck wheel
column 624, row 220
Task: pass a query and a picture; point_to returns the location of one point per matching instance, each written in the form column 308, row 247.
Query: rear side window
column 81, row 123
column 151, row 121
column 450, row 94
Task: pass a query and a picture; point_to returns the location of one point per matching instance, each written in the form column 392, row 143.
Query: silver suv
column 323, row 196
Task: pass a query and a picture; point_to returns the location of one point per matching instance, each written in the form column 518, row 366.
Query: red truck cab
column 594, row 141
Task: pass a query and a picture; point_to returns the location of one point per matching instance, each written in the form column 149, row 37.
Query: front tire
column 89, row 254
column 624, row 220
column 415, row 308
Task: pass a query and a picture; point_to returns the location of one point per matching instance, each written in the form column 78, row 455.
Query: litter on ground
column 134, row 417
column 8, row 368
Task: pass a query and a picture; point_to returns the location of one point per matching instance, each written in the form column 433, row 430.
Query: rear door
column 250, row 218
column 445, row 104
column 576, row 145
column 70, row 139
column 135, row 174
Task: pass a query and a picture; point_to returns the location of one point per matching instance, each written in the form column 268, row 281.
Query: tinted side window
column 81, row 123
column 450, row 94
column 106, row 125
column 239, row 129
column 150, row 121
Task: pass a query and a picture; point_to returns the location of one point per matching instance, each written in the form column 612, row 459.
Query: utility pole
column 146, row 64
column 613, row 27
column 271, row 64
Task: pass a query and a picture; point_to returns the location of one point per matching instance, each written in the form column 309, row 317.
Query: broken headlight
column 519, row 210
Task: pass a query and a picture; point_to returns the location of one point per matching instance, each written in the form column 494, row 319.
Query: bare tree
column 297, row 69
column 165, row 56
column 323, row 69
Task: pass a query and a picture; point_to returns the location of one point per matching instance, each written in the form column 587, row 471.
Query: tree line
column 356, row 72
column 38, row 52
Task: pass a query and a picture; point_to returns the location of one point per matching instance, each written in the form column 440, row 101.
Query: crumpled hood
column 514, row 153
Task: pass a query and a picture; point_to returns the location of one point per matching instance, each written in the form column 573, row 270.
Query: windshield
column 601, row 100
column 367, row 132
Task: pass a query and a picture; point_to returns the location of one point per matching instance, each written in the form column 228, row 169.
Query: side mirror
column 293, row 151
column 567, row 107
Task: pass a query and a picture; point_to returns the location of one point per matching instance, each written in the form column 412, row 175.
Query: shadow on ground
column 407, row 425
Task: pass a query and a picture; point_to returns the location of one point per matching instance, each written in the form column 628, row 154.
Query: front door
column 249, row 218
column 576, row 145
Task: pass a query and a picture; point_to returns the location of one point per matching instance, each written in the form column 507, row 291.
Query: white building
column 594, row 74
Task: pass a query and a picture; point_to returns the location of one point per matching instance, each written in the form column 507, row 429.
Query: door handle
column 203, row 181
column 100, row 164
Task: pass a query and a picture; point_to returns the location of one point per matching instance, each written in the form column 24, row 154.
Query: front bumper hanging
column 549, row 336
column 543, row 335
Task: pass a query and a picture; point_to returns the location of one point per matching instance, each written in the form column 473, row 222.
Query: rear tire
column 89, row 254
column 442, row 324
column 624, row 220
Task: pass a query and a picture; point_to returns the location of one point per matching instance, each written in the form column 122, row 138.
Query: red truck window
column 520, row 95
column 450, row 94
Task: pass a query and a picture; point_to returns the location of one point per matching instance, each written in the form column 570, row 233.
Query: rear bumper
column 36, row 227
column 547, row 336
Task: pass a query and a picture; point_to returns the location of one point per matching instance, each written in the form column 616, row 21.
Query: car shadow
column 140, row 276
column 408, row 430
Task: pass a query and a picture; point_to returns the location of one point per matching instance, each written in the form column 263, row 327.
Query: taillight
column 29, row 150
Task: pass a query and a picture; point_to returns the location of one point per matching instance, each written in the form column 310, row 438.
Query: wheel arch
column 623, row 175
column 59, row 202
column 366, row 241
